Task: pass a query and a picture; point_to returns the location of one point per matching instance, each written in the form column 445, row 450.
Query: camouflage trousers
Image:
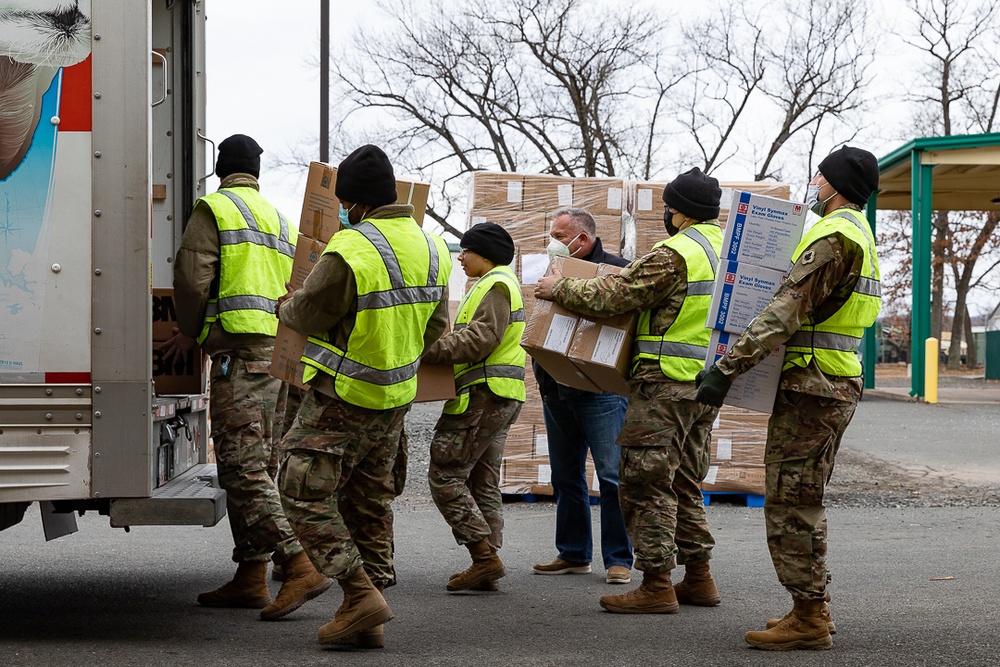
column 242, row 409
column 289, row 400
column 464, row 473
column 665, row 453
column 803, row 436
column 337, row 485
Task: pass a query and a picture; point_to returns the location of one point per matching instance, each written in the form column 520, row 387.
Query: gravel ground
column 860, row 480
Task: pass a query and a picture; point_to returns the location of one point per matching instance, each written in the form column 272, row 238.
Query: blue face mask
column 344, row 222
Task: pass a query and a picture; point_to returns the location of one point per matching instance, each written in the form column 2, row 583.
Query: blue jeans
column 589, row 422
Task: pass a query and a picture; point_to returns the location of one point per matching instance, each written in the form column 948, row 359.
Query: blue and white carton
column 755, row 389
column 741, row 292
column 763, row 230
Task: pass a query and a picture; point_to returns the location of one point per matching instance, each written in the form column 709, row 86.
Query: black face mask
column 668, row 223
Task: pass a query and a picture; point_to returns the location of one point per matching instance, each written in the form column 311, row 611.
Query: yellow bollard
column 931, row 370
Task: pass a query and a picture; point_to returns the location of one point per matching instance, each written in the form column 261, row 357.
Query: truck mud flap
column 190, row 499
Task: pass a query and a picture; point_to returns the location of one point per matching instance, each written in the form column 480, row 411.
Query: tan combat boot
column 373, row 637
column 697, row 588
column 301, row 583
column 825, row 612
column 486, row 566
column 655, row 595
column 482, row 586
column 363, row 608
column 247, row 589
column 804, row 629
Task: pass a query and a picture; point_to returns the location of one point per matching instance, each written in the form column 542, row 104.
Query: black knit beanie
column 238, row 154
column 489, row 240
column 853, row 172
column 694, row 194
column 366, row 177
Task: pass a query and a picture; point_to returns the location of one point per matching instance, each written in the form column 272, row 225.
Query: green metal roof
column 966, row 172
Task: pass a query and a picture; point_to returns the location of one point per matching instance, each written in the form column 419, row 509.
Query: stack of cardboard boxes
column 760, row 237
column 525, row 205
column 595, row 355
column 318, row 222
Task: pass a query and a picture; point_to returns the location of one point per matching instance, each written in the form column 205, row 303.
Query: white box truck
column 102, row 154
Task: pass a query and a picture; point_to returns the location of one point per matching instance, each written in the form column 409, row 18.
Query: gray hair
column 581, row 219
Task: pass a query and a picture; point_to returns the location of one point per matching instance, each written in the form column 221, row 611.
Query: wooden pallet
column 746, row 499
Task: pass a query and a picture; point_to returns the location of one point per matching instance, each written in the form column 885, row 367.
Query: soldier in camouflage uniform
column 665, row 439
column 338, row 475
column 243, row 394
column 469, row 438
column 831, row 295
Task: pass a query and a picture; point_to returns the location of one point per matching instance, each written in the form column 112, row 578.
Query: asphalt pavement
column 912, row 586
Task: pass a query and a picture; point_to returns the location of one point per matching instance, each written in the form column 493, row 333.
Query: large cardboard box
column 755, row 389
column 320, row 217
column 547, row 193
column 602, row 348
column 549, row 329
column 497, row 190
column 181, row 375
column 736, row 457
column 288, row 344
column 600, row 196
column 528, row 229
column 435, row 382
column 763, row 230
column 742, row 291
column 164, row 313
column 646, row 197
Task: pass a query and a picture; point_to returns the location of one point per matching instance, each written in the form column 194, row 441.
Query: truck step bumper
column 190, row 499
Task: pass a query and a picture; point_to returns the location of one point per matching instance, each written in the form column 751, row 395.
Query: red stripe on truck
column 67, row 378
column 75, row 111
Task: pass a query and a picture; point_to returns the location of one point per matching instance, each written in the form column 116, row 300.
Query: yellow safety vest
column 401, row 273
column 683, row 347
column 503, row 369
column 834, row 342
column 257, row 247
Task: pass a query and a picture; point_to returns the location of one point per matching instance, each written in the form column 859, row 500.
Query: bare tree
column 804, row 65
column 957, row 90
column 533, row 85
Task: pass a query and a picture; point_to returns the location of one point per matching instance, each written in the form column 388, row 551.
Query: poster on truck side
column 45, row 193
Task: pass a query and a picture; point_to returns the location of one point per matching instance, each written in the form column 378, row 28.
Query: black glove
column 712, row 386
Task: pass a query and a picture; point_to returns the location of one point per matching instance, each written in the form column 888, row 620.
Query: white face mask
column 813, row 201
column 557, row 248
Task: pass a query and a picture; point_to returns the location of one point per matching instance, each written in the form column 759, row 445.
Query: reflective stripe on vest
column 251, row 233
column 399, row 270
column 503, row 369
column 681, row 349
column 834, row 342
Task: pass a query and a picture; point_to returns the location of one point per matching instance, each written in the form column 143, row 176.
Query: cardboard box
column 739, row 437
column 600, row 196
column 547, row 193
column 646, row 197
column 164, row 313
column 763, row 230
column 735, row 478
column 497, row 190
column 183, row 375
column 528, row 229
column 602, row 348
column 755, row 389
column 320, row 217
column 435, row 382
column 288, row 345
column 609, row 230
column 549, row 329
column 742, row 291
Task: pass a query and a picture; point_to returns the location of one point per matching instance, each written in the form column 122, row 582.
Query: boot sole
column 665, row 608
column 795, row 645
column 701, row 602
column 362, row 640
column 478, row 581
column 260, row 604
column 378, row 617
column 303, row 597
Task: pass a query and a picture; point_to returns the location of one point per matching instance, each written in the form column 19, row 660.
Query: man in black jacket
column 577, row 421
